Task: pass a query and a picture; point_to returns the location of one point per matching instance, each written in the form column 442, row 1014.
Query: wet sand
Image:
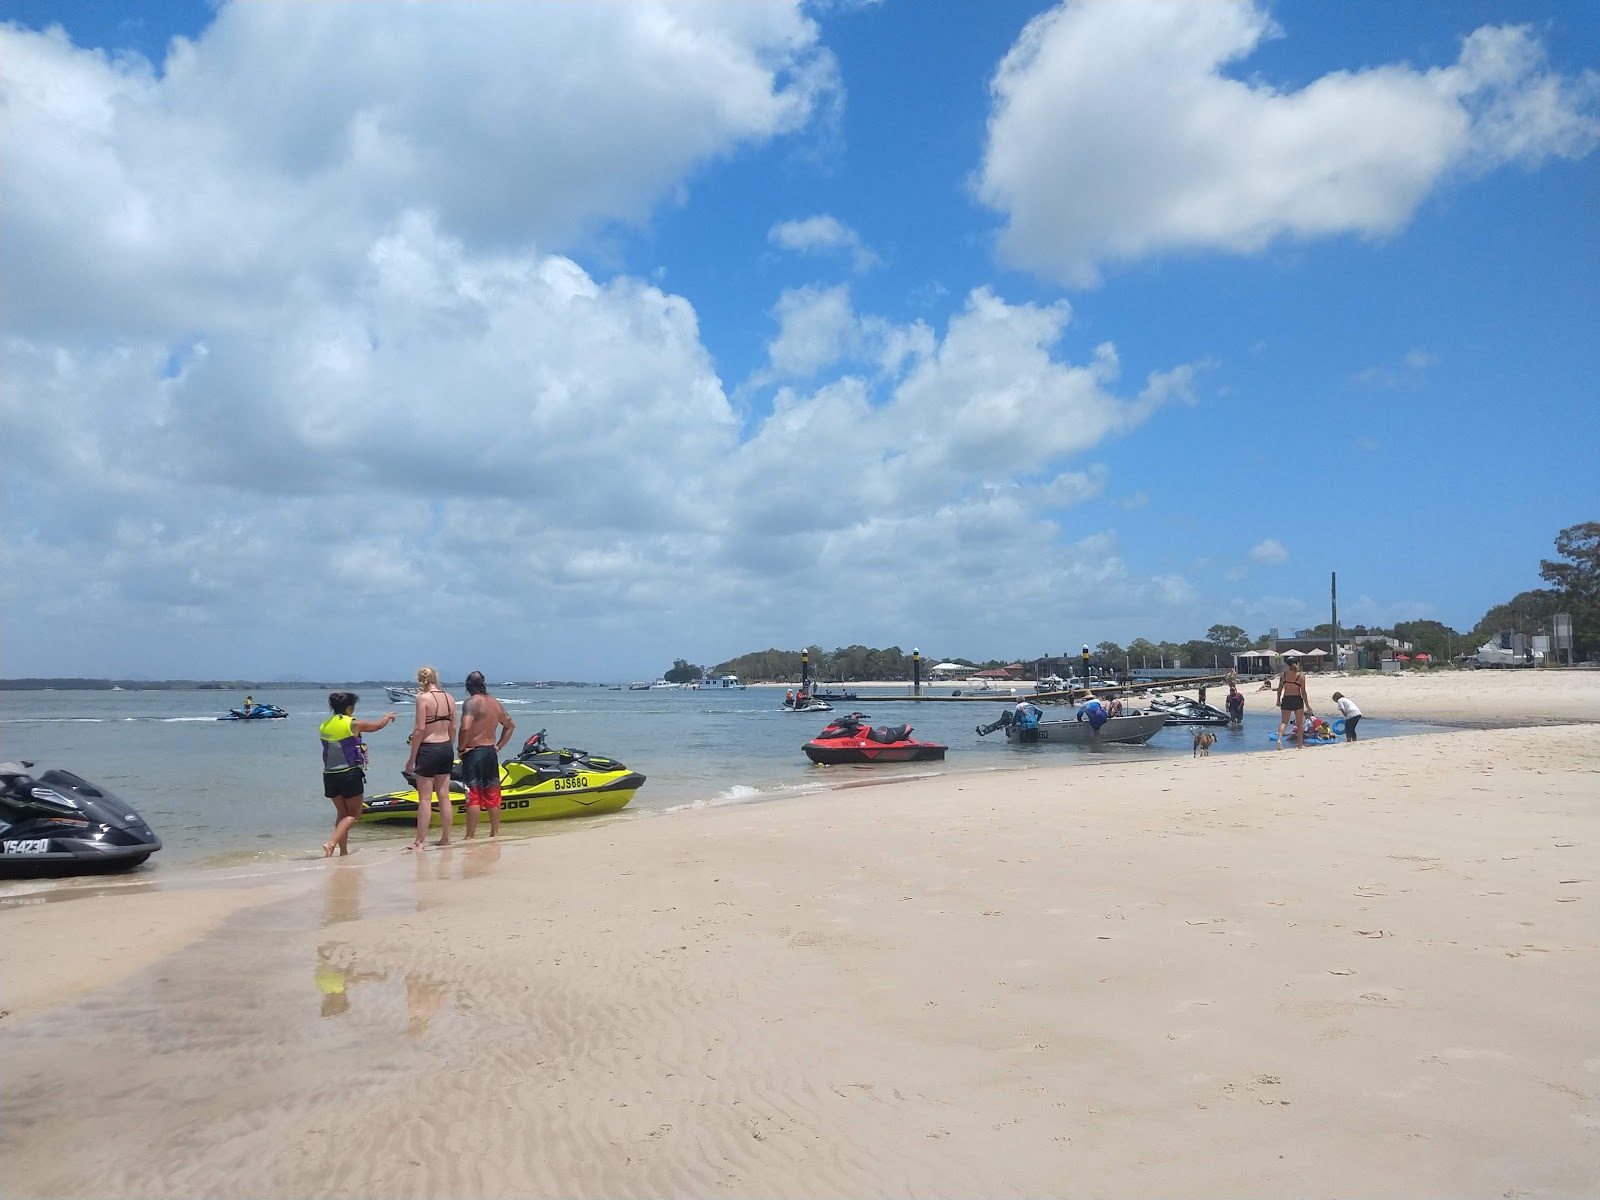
column 1351, row 970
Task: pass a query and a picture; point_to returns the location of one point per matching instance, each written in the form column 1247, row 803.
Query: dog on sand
column 1203, row 741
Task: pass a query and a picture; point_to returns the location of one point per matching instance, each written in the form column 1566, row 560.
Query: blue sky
column 580, row 337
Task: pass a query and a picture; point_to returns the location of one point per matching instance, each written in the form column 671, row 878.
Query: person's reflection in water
column 480, row 859
column 335, row 975
column 343, row 894
column 423, row 998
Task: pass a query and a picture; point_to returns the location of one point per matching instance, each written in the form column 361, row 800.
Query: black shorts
column 344, row 784
column 435, row 758
column 1292, row 703
column 480, row 768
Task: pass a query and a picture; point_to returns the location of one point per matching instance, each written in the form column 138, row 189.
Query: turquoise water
column 234, row 791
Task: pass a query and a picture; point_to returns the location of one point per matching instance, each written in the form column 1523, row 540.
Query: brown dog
column 1203, row 741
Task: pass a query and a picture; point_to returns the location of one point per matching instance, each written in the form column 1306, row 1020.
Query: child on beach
column 344, row 766
column 1351, row 714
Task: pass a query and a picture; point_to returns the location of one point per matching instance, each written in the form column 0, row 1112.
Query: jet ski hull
column 848, row 740
column 583, row 795
column 60, row 824
column 833, row 754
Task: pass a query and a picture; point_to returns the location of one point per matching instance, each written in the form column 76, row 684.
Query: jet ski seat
column 889, row 733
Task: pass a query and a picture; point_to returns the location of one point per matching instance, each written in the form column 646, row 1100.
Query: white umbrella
column 1292, row 654
column 1317, row 653
column 1257, row 653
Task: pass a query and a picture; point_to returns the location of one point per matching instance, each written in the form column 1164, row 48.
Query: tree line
column 1574, row 576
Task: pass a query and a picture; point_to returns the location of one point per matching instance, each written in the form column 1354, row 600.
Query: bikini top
column 1295, row 686
column 449, row 709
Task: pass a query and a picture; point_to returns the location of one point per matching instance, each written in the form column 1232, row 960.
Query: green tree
column 1227, row 637
column 1526, row 612
column 1577, row 581
column 1110, row 653
column 1438, row 641
column 683, row 671
column 1144, row 653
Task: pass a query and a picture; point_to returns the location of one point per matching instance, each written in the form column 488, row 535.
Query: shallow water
column 226, row 793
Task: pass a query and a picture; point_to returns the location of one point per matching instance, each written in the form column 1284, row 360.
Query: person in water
column 1293, row 703
column 481, row 716
column 433, row 740
column 1095, row 712
column 1351, row 714
column 344, row 765
column 1235, row 703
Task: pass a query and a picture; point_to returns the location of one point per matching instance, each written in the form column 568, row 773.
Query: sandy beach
column 1355, row 970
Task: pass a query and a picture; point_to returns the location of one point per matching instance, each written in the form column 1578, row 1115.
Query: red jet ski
column 848, row 740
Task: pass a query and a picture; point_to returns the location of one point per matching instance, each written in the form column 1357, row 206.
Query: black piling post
column 916, row 671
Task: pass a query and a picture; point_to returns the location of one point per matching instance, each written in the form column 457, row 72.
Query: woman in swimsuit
column 1292, row 700
column 433, row 742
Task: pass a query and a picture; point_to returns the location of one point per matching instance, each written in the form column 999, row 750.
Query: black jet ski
column 256, row 712
column 59, row 824
column 1180, row 710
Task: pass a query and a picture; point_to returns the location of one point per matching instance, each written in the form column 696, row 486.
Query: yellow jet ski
column 539, row 784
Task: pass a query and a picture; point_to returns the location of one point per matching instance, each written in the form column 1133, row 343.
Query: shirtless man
column 481, row 716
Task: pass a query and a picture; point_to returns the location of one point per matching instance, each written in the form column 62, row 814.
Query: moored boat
column 1133, row 729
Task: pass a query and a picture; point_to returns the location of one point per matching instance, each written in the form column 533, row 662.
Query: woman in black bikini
column 1292, row 700
column 433, row 742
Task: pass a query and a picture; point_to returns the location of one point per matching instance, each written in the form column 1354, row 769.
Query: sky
column 564, row 340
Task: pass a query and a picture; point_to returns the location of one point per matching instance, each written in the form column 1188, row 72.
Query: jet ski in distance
column 60, row 824
column 848, row 740
column 541, row 783
column 256, row 712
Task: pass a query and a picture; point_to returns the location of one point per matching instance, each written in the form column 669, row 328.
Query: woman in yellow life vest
column 344, row 765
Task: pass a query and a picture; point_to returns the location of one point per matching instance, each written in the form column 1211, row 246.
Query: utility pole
column 1334, row 592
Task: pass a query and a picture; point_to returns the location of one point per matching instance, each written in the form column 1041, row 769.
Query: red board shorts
column 480, row 769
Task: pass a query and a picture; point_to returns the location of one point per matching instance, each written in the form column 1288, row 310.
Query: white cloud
column 817, row 327
column 1117, row 133
column 1269, row 551
column 823, row 234
column 1406, row 372
column 256, row 162
column 265, row 375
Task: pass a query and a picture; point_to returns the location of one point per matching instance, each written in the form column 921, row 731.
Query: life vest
column 342, row 747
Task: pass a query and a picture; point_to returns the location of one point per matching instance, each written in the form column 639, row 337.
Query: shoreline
column 1330, row 974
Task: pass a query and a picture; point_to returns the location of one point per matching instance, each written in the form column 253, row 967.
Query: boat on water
column 849, row 739
column 718, row 683
column 401, row 695
column 1129, row 729
column 61, row 824
column 1180, row 710
column 540, row 784
column 828, row 694
column 638, row 687
column 663, row 685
